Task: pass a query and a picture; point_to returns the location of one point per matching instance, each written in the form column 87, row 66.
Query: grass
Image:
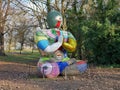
column 26, row 57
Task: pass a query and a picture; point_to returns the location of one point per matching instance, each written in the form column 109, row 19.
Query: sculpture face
column 58, row 55
column 54, row 19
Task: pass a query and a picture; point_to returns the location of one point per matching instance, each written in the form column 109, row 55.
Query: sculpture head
column 54, row 19
column 58, row 55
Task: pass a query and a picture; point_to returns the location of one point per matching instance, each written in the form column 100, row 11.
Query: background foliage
column 98, row 36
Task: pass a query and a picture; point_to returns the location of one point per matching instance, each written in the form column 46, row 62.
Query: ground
column 16, row 76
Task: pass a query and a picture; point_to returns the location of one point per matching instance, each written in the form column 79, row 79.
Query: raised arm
column 43, row 42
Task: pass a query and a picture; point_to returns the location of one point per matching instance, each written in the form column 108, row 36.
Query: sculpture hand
column 70, row 45
column 53, row 47
column 60, row 39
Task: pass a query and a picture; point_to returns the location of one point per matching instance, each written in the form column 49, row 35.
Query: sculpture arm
column 71, row 44
column 53, row 47
column 43, row 42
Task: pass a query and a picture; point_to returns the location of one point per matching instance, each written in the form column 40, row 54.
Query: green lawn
column 25, row 57
column 32, row 58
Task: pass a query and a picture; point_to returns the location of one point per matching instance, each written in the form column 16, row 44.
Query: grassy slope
column 25, row 57
column 31, row 58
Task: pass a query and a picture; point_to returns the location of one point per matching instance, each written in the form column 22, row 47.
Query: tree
column 4, row 8
column 75, row 20
column 102, row 33
column 97, row 30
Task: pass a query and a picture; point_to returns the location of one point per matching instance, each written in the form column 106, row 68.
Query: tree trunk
column 21, row 48
column 48, row 6
column 10, row 42
column 2, row 52
column 64, row 25
column 9, row 46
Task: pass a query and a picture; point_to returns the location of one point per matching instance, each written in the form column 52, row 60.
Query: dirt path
column 15, row 76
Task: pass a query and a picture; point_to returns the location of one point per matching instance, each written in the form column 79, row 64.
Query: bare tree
column 9, row 39
column 4, row 8
column 22, row 27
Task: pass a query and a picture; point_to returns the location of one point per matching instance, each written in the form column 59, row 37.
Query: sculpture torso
column 53, row 34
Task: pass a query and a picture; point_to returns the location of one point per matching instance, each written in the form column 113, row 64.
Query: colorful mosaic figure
column 56, row 43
